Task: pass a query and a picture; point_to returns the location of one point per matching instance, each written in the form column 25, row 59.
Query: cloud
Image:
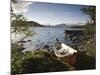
column 21, row 6
column 67, row 13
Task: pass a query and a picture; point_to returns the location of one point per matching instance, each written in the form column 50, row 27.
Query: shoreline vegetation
column 40, row 61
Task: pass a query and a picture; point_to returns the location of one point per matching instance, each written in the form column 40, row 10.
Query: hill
column 33, row 24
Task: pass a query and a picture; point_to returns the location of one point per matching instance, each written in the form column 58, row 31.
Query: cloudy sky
column 50, row 13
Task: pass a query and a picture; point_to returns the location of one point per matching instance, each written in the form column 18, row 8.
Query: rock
column 28, row 40
column 46, row 47
column 22, row 41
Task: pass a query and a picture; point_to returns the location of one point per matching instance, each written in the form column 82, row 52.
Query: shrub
column 35, row 62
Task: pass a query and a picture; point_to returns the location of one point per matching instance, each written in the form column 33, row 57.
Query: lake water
column 44, row 36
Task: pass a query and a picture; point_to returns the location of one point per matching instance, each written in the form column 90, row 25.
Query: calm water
column 44, row 36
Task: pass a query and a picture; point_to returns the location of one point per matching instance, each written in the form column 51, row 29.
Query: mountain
column 33, row 24
column 61, row 25
column 67, row 25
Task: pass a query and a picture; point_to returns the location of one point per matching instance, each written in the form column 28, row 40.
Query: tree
column 19, row 23
column 14, row 1
column 91, row 11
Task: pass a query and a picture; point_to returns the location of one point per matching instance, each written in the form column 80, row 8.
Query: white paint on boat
column 64, row 51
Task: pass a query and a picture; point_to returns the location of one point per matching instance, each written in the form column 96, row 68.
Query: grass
column 36, row 62
column 41, row 61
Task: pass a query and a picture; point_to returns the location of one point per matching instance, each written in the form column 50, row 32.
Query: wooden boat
column 65, row 53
